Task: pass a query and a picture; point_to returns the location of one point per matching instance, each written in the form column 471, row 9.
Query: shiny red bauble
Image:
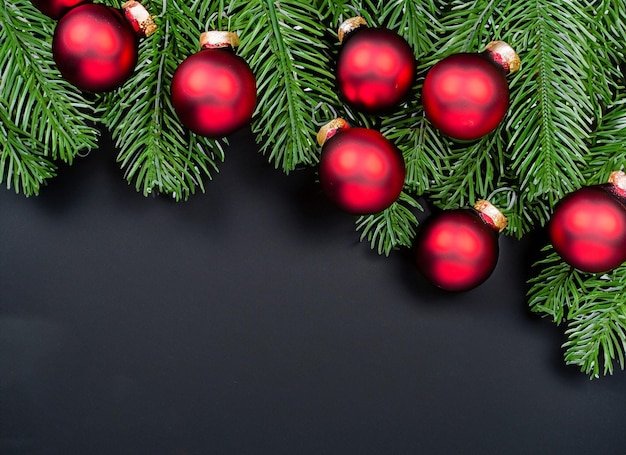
column 95, row 48
column 588, row 228
column 361, row 171
column 56, row 8
column 456, row 250
column 375, row 69
column 466, row 96
column 214, row 92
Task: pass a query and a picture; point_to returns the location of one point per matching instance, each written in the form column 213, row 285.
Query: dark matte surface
column 249, row 320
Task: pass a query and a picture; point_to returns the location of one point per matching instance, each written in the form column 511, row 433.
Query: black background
column 250, row 320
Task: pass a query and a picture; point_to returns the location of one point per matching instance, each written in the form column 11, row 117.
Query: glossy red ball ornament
column 360, row 170
column 466, row 96
column 95, row 48
column 588, row 226
column 214, row 90
column 57, row 8
column 456, row 250
column 375, row 67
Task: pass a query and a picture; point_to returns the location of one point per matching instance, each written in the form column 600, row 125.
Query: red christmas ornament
column 375, row 67
column 465, row 95
column 360, row 170
column 456, row 250
column 57, row 8
column 588, row 226
column 214, row 90
column 95, row 47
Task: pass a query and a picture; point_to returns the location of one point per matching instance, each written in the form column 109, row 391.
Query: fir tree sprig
column 392, row 228
column 155, row 151
column 608, row 146
column 552, row 108
column 45, row 118
column 592, row 305
column 23, row 165
column 284, row 45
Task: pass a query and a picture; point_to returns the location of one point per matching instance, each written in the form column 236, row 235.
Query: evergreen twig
column 392, row 228
column 156, row 151
column 283, row 43
column 45, row 118
column 592, row 305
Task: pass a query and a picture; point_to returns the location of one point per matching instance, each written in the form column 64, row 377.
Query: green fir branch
column 556, row 290
column 156, row 151
column 522, row 215
column 22, row 164
column 392, row 228
column 592, row 305
column 425, row 151
column 608, row 149
column 471, row 172
column 597, row 331
column 415, row 21
column 44, row 110
column 283, row 43
column 552, row 109
column 610, row 25
column 467, row 26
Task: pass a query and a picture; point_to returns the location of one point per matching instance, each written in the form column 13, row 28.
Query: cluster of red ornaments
column 464, row 95
column 95, row 47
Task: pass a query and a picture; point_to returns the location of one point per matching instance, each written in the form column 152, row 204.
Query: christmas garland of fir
column 566, row 126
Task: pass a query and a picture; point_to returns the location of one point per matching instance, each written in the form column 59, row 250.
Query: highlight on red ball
column 375, row 67
column 588, row 229
column 360, row 170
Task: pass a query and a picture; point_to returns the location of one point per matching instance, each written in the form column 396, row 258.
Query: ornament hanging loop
column 511, row 197
column 321, row 110
column 217, row 15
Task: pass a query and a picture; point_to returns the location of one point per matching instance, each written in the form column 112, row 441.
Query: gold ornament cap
column 494, row 216
column 618, row 179
column 350, row 25
column 140, row 20
column 217, row 39
column 504, row 55
column 330, row 129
